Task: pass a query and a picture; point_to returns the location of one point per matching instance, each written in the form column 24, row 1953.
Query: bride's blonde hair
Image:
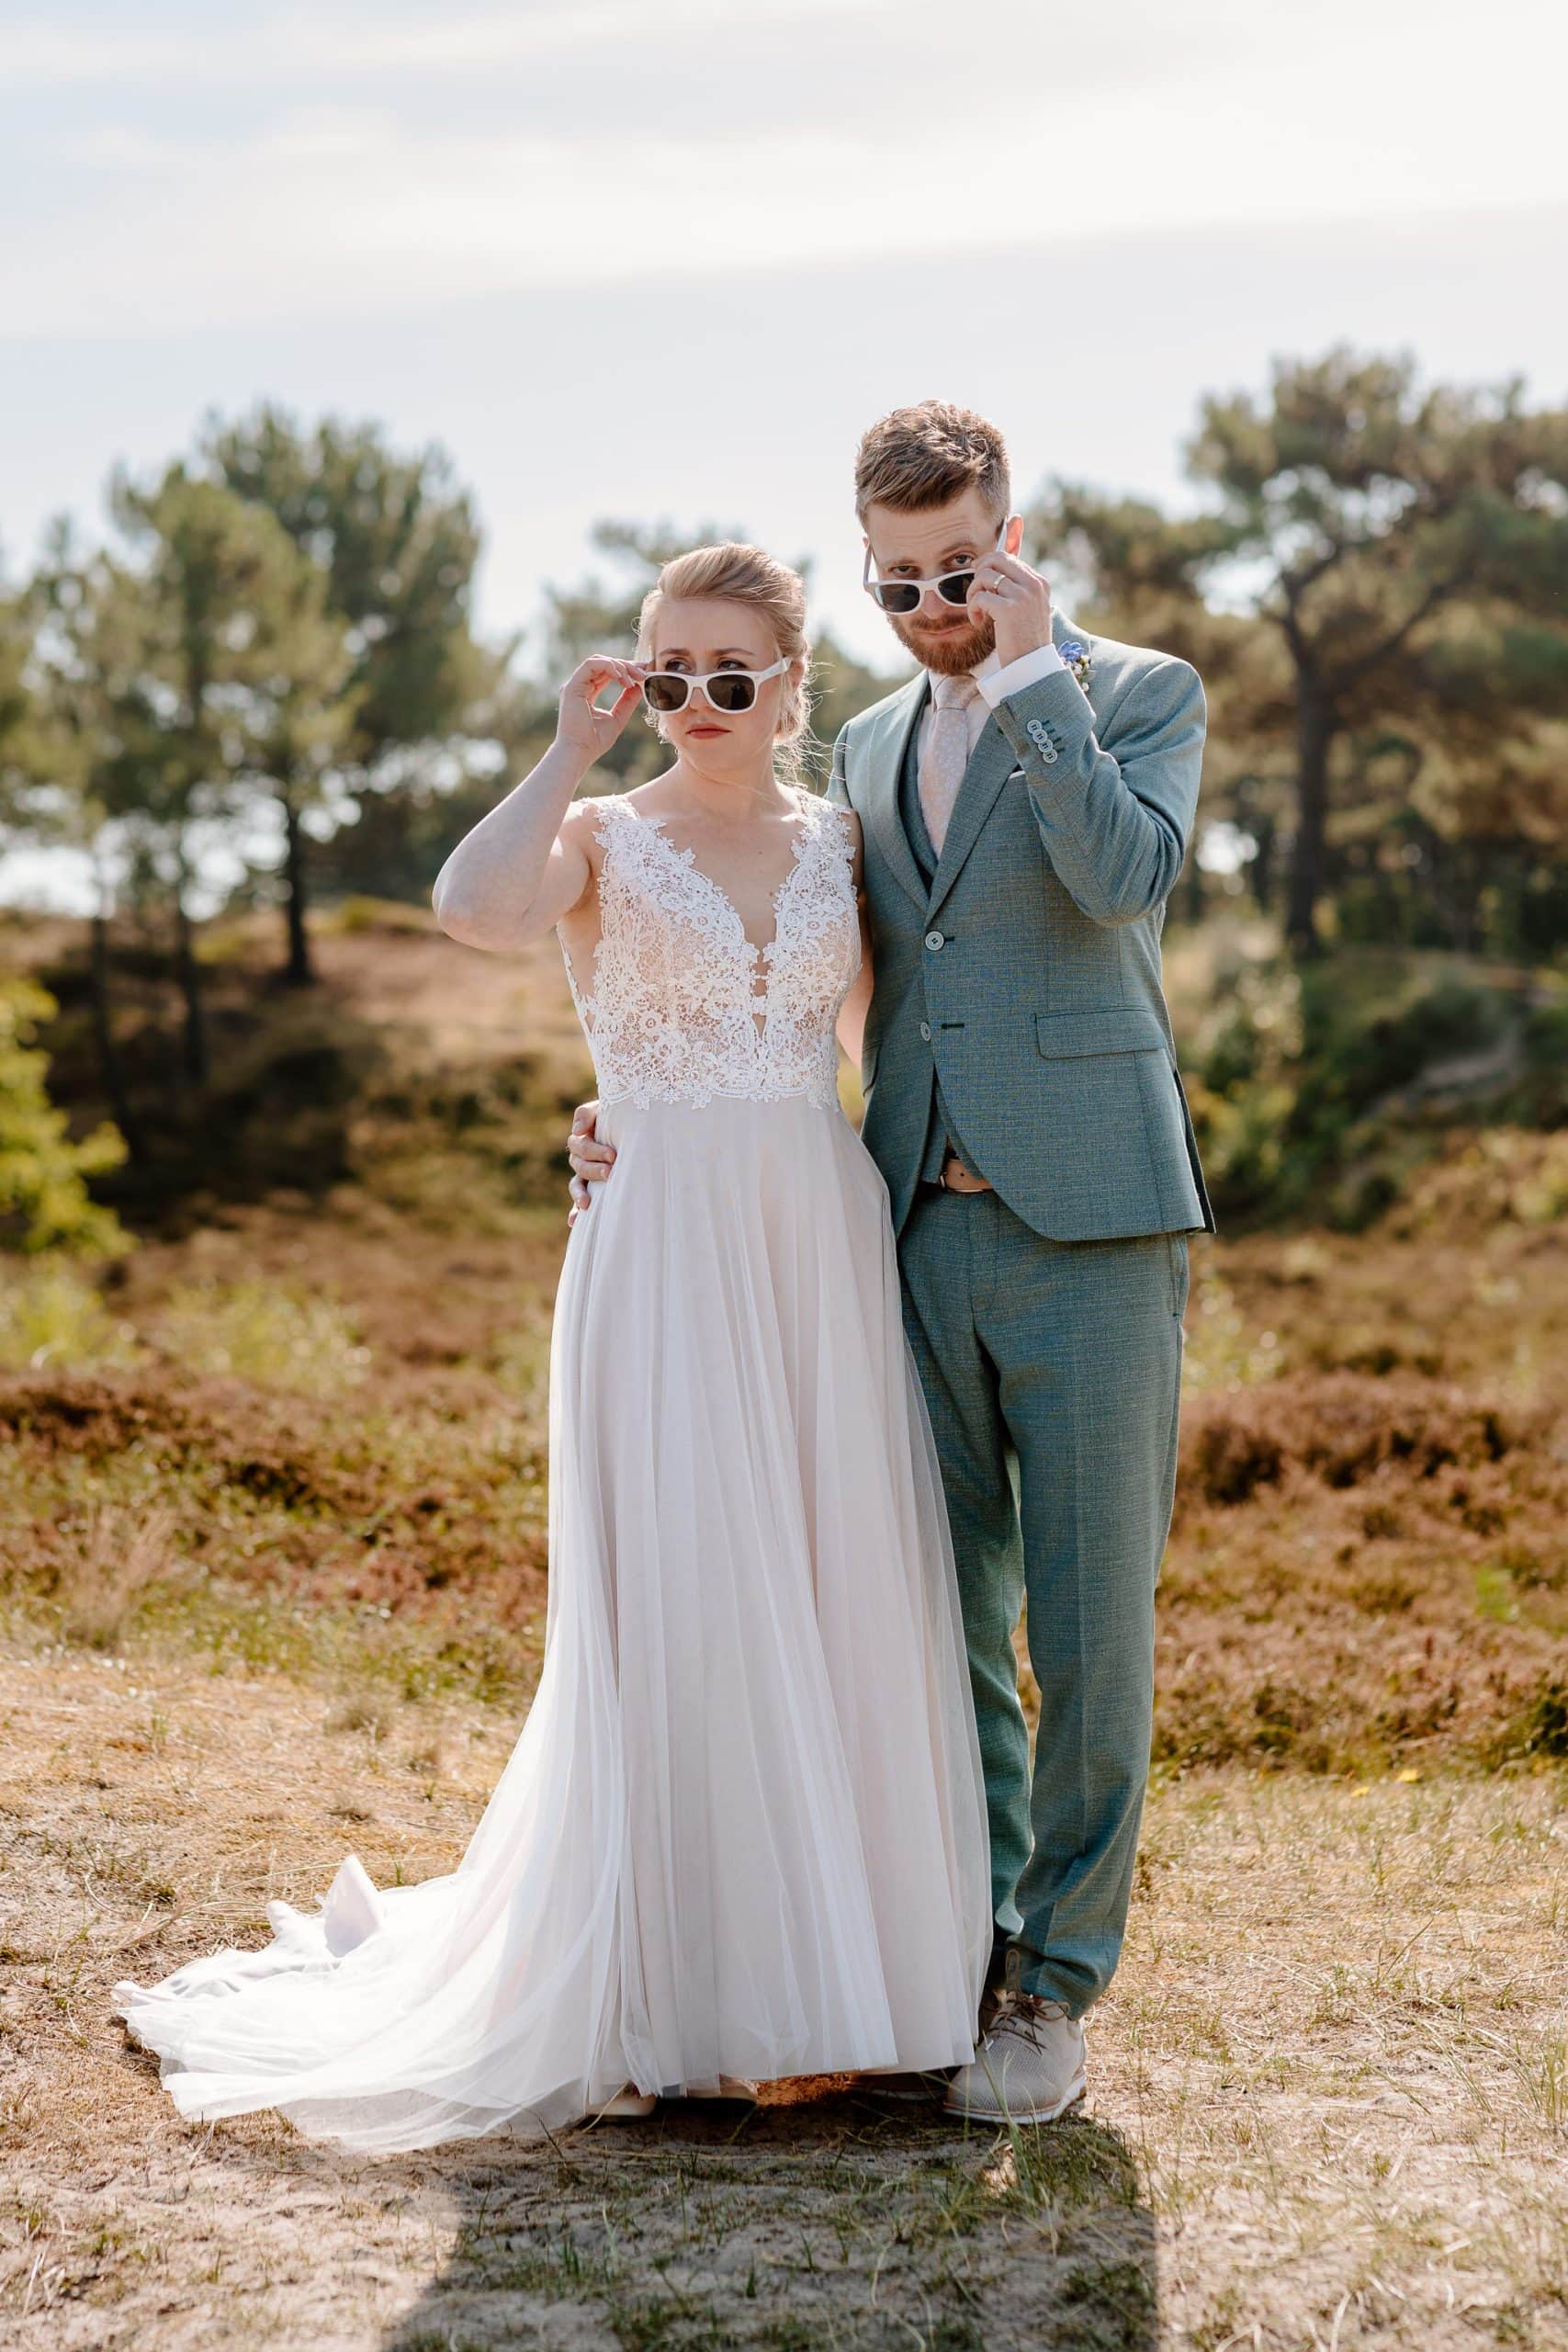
column 749, row 575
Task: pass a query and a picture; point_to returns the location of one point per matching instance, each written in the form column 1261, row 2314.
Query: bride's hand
column 591, row 1160
column 580, row 726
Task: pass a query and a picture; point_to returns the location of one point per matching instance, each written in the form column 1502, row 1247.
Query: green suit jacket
column 1028, row 974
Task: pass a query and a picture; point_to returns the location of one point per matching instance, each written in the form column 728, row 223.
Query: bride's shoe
column 627, row 2106
column 725, row 2086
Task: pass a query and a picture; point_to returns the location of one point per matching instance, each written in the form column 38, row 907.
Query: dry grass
column 1329, row 2097
column 107, row 1573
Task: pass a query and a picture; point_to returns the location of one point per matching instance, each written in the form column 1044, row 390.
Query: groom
column 1026, row 803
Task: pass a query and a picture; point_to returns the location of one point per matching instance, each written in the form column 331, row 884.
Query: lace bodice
column 683, row 1007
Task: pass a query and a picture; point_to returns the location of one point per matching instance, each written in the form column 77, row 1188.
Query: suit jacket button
column 926, row 1031
column 935, row 940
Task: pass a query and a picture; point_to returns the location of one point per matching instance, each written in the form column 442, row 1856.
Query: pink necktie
column 946, row 752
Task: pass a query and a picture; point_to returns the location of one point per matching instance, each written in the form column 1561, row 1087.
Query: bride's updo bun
column 748, row 576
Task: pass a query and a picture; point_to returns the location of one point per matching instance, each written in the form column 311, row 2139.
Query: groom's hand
column 1014, row 597
column 591, row 1160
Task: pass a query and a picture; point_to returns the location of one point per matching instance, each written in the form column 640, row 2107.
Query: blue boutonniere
column 1075, row 653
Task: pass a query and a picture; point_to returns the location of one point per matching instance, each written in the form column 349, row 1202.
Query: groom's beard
column 948, row 648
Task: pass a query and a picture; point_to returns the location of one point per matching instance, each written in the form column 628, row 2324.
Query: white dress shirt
column 996, row 683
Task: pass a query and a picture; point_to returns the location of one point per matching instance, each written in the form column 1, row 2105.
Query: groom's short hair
column 929, row 454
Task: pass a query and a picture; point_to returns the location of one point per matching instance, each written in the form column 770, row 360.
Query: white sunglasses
column 903, row 596
column 727, row 690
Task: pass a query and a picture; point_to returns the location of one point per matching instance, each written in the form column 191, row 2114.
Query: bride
column 742, row 1834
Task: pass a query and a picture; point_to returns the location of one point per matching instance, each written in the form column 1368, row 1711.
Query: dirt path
column 1329, row 2094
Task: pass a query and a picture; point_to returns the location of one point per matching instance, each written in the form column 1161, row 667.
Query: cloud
column 198, row 53
column 372, row 164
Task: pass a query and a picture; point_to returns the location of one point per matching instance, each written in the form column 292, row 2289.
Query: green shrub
column 1312, row 1092
column 52, row 1313
column 44, row 1201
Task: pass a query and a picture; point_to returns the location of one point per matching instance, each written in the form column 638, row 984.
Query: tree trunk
column 110, row 1069
column 1314, row 736
column 1260, row 873
column 299, row 972
column 189, row 973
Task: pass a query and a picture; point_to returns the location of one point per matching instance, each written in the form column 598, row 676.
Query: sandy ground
column 1329, row 2098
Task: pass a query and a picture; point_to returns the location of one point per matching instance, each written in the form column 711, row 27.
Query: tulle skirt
column 743, row 1829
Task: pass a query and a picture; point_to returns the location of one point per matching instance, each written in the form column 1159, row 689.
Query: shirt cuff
column 1027, row 670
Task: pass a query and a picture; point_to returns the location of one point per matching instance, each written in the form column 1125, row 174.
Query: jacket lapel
column 990, row 764
column 880, row 804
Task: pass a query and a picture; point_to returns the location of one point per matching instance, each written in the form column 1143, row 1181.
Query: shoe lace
column 1026, row 2014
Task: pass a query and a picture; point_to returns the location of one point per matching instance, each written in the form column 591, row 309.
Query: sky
column 665, row 259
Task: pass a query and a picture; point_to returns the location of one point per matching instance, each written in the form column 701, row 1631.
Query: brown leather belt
column 956, row 1177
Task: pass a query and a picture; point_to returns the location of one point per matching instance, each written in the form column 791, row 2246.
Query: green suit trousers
column 1052, row 1369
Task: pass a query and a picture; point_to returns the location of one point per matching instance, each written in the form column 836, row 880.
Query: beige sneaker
column 1029, row 2068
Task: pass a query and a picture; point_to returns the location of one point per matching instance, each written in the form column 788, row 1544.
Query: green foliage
column 246, row 673
column 402, row 706
column 52, row 1313
column 1373, row 594
column 1545, row 1044
column 395, row 541
column 44, row 1202
column 266, row 1332
column 1539, row 1730
column 15, row 699
column 283, row 1107
column 287, row 624
column 70, row 770
column 1318, row 1090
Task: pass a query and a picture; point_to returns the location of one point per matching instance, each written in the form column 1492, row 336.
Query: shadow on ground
column 837, row 2218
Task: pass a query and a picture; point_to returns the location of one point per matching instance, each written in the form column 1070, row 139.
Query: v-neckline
column 760, row 954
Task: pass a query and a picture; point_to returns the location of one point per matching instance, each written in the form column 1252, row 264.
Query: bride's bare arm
column 852, row 1012
column 526, row 864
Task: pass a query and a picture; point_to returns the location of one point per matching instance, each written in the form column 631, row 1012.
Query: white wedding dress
column 743, row 1831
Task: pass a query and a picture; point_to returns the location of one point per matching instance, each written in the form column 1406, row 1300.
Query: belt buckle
column 974, row 1182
